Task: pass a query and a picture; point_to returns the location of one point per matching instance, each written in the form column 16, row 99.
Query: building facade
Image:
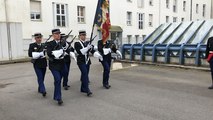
column 132, row 20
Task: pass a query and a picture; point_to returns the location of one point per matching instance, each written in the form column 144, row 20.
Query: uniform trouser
column 84, row 68
column 40, row 73
column 57, row 83
column 106, row 63
column 66, row 71
column 211, row 67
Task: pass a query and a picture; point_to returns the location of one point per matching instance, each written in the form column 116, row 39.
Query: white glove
column 89, row 46
column 119, row 53
column 65, row 53
column 84, row 50
column 57, row 53
column 72, row 55
column 95, row 47
column 42, row 54
column 67, row 45
column 106, row 51
column 36, row 55
column 98, row 55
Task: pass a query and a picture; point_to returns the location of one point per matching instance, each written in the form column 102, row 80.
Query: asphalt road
column 142, row 92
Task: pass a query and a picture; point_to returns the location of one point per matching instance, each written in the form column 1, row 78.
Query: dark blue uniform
column 66, row 69
column 83, row 62
column 56, row 66
column 209, row 50
column 39, row 65
column 106, row 63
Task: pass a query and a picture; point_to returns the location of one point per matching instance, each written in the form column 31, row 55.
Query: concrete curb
column 165, row 65
column 15, row 61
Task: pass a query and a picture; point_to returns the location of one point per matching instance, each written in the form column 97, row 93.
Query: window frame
column 60, row 14
column 129, row 18
column 79, row 17
column 35, row 13
column 140, row 21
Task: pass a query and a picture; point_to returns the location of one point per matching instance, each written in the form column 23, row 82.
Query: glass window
column 136, row 39
column 150, row 20
column 140, row 21
column 60, row 15
column 182, row 19
column 204, row 10
column 167, row 19
column 175, row 6
column 35, row 10
column 174, row 19
column 129, row 18
column 167, row 3
column 151, row 2
column 81, row 14
column 197, row 7
column 129, row 39
column 184, row 5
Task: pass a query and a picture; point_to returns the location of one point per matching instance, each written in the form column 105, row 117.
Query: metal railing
column 180, row 52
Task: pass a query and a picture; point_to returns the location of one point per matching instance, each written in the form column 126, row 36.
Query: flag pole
column 93, row 26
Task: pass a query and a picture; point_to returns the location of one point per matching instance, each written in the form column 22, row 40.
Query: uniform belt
column 210, row 51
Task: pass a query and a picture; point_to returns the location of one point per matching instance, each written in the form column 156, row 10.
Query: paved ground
column 138, row 93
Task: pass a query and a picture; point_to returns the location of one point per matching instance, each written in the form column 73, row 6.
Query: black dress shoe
column 44, row 94
column 211, row 87
column 60, row 102
column 89, row 93
column 66, row 88
column 107, row 86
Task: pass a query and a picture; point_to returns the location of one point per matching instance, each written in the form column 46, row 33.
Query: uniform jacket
column 209, row 46
column 82, row 59
column 41, row 62
column 54, row 64
column 108, row 44
column 67, row 57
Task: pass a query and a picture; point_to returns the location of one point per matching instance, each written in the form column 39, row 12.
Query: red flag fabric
column 102, row 18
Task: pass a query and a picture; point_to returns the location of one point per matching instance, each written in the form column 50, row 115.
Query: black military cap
column 63, row 35
column 37, row 35
column 82, row 32
column 54, row 31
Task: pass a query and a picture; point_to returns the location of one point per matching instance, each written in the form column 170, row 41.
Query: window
column 204, row 10
column 140, row 3
column 150, row 20
column 136, row 39
column 167, row 19
column 60, row 15
column 129, row 18
column 184, row 5
column 175, row 6
column 144, row 37
column 151, row 2
column 167, row 3
column 174, row 19
column 35, row 10
column 182, row 19
column 197, row 6
column 129, row 39
column 140, row 21
column 81, row 14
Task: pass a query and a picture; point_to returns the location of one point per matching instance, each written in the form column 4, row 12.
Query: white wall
column 199, row 16
column 4, row 55
column 2, row 11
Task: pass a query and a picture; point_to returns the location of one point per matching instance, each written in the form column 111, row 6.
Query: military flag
column 102, row 18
